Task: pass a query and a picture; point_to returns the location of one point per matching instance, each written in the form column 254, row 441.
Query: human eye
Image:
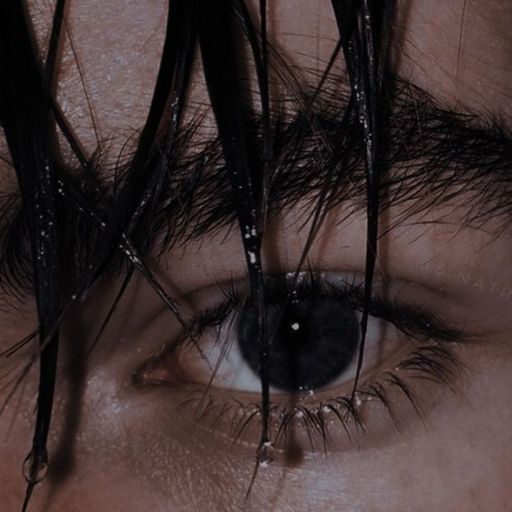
column 313, row 324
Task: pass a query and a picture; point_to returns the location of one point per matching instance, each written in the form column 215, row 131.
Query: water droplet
column 32, row 472
column 325, row 409
column 265, row 454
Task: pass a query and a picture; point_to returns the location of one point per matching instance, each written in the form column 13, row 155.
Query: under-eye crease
column 304, row 395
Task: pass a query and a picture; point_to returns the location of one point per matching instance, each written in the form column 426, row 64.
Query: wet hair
column 250, row 163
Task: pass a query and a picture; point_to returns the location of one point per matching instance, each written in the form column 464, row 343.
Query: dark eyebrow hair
column 430, row 157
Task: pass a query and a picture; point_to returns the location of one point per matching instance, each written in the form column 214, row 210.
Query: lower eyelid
column 315, row 422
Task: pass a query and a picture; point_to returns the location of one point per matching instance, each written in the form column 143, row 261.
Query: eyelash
column 410, row 320
column 434, row 361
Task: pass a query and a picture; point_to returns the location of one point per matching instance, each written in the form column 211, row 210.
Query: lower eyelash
column 434, row 363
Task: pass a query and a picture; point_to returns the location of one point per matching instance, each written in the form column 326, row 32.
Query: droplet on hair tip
column 34, row 473
column 265, row 454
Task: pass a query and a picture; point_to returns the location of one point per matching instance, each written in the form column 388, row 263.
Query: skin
column 117, row 446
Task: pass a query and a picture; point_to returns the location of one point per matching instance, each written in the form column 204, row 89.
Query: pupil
column 313, row 341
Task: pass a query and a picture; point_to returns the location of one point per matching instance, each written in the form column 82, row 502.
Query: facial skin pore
column 116, row 446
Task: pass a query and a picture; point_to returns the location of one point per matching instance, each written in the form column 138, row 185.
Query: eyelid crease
column 233, row 291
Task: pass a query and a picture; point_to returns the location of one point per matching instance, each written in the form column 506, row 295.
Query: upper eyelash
column 412, row 321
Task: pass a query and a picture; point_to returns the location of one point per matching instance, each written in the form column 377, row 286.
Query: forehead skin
column 460, row 52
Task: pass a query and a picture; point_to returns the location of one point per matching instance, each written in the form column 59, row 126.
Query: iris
column 313, row 341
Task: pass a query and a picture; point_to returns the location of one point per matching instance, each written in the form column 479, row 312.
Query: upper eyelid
column 438, row 329
column 350, row 276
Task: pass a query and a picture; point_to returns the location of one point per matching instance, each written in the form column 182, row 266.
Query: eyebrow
column 430, row 157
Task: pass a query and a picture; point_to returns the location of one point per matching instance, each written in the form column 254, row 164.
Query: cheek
column 451, row 463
